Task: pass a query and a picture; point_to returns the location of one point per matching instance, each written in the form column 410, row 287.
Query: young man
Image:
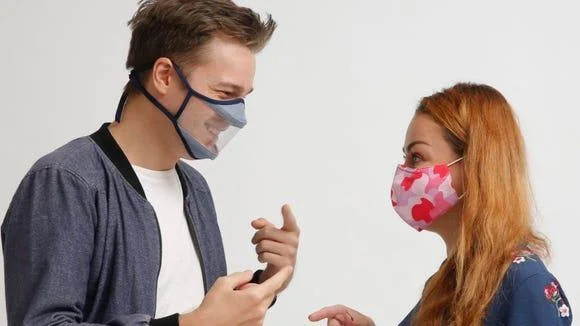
column 113, row 228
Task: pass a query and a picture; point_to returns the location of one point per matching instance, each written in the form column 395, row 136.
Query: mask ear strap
column 200, row 96
column 457, row 160
column 120, row 106
column 183, row 105
column 454, row 162
column 135, row 79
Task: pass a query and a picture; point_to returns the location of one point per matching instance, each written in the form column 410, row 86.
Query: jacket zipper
column 194, row 238
column 160, row 260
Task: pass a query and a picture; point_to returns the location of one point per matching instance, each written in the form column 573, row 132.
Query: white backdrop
column 335, row 90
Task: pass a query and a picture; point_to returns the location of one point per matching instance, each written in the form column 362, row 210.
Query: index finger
column 274, row 283
column 329, row 312
column 261, row 223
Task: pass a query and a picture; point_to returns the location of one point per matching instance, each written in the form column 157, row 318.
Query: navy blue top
column 529, row 295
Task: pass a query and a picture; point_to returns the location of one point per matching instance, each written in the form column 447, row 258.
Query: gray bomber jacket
column 82, row 244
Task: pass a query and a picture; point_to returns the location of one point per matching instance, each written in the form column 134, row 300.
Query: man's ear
column 160, row 76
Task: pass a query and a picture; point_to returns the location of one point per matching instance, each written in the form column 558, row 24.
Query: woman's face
column 425, row 146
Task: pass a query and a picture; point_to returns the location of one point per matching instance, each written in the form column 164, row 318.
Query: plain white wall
column 335, row 90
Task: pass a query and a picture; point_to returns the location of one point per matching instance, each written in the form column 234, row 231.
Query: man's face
column 225, row 71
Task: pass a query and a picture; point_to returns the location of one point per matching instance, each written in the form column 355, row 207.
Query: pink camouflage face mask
column 420, row 196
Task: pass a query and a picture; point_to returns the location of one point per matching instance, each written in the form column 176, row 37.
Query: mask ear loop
column 452, row 163
column 121, row 106
column 457, row 160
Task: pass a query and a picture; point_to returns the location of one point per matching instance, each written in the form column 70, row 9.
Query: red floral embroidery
column 551, row 292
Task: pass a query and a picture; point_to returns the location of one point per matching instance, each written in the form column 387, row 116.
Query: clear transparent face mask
column 206, row 127
column 214, row 131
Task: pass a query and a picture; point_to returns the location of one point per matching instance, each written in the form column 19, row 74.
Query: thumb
column 274, row 283
column 289, row 220
column 236, row 280
column 247, row 286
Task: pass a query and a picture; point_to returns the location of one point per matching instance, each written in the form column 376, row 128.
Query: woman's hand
column 340, row 315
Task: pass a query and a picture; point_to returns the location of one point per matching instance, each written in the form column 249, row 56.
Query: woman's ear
column 458, row 177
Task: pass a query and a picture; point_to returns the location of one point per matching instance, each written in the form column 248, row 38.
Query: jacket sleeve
column 47, row 240
column 540, row 300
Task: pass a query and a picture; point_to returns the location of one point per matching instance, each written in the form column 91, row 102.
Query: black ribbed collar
column 109, row 146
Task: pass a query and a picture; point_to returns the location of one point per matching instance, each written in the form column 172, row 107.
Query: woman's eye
column 412, row 159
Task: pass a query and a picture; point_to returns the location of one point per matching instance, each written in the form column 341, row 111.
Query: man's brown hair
column 179, row 29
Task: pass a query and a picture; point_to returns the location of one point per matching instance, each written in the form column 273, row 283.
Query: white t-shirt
column 180, row 283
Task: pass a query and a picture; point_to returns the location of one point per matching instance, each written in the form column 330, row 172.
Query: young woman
column 465, row 178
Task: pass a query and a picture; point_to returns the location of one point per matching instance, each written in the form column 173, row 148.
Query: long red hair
column 496, row 215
